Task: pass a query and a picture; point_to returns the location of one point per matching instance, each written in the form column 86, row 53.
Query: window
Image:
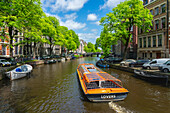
column 3, row 50
column 16, row 50
column 150, row 55
column 16, row 39
column 145, row 2
column 151, row 11
column 159, row 40
column 144, row 42
column 154, row 41
column 145, row 55
column 140, row 42
column 163, row 22
column 149, row 41
column 152, row 26
column 131, row 29
column 163, row 8
column 156, row 24
column 156, row 11
column 20, row 50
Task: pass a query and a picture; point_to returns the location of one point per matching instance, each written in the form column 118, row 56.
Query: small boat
column 99, row 86
column 49, row 61
column 63, row 59
column 19, row 72
column 146, row 74
column 100, row 64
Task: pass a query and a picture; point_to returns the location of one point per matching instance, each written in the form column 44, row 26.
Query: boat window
column 92, row 85
column 93, row 70
column 108, row 84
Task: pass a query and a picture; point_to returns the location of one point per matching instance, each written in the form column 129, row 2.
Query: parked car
column 4, row 62
column 12, row 61
column 138, row 63
column 127, row 62
column 155, row 63
column 110, row 59
column 113, row 59
column 165, row 67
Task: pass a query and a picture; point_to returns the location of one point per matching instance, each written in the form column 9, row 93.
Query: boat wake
column 118, row 109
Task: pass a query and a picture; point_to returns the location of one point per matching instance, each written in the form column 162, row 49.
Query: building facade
column 118, row 50
column 156, row 43
column 17, row 49
column 4, row 44
column 81, row 47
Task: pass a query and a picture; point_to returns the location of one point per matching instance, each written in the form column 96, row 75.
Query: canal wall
column 6, row 69
column 149, row 73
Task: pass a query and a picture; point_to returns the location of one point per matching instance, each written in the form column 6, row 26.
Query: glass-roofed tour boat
column 98, row 85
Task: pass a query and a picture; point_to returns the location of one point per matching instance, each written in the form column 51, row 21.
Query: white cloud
column 70, row 21
column 71, row 24
column 64, row 5
column 85, row 29
column 72, row 16
column 111, row 4
column 92, row 17
column 97, row 23
column 94, row 30
column 88, row 37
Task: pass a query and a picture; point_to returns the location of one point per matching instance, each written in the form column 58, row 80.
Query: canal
column 54, row 88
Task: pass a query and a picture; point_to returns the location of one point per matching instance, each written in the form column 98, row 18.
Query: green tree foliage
column 106, row 40
column 27, row 16
column 98, row 43
column 89, row 48
column 127, row 14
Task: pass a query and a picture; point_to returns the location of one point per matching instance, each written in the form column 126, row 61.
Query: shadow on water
column 154, row 81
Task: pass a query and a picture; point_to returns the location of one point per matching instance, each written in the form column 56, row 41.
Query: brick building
column 4, row 45
column 118, row 49
column 156, row 43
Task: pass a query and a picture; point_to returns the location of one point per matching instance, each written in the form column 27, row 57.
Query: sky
column 82, row 16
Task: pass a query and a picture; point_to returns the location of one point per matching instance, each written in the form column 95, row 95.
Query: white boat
column 19, row 72
column 63, row 59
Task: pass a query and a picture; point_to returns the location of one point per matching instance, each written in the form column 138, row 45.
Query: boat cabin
column 94, row 78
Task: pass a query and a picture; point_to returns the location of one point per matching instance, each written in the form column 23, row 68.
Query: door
column 154, row 65
column 158, row 55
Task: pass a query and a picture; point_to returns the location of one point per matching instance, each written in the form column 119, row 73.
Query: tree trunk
column 125, row 50
column 34, row 50
column 11, row 40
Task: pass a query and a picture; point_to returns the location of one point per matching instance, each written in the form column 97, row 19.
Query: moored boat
column 19, row 72
column 99, row 86
column 100, row 64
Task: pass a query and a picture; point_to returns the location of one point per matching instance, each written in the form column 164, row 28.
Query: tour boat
column 19, row 72
column 99, row 86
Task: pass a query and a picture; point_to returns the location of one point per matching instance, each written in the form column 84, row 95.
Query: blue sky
column 82, row 16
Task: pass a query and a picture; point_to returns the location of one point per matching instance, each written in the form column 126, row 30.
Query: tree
column 19, row 14
column 106, row 40
column 127, row 14
column 98, row 43
column 89, row 48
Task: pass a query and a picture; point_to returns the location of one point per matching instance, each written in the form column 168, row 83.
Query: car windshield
column 4, row 61
column 167, row 62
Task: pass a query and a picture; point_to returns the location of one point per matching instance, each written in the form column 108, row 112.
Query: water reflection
column 54, row 88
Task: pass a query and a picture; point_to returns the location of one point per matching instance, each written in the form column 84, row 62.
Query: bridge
column 91, row 54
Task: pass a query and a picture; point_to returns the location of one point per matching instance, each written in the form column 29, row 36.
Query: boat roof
column 94, row 74
column 90, row 77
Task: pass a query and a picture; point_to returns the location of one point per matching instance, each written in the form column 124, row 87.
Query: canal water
column 54, row 88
